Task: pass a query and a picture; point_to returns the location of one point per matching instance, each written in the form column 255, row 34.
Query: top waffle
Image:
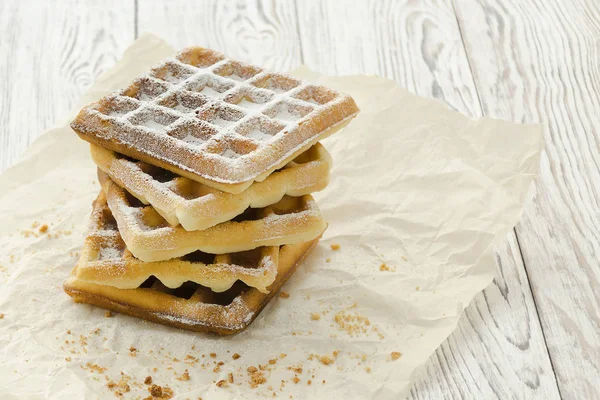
column 220, row 122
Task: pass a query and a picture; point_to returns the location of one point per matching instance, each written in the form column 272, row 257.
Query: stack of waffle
column 206, row 166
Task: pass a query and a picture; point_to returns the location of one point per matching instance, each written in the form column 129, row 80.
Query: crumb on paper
column 328, row 260
column 385, row 267
column 395, row 355
column 108, row 314
column 230, row 377
column 213, row 355
column 335, row 246
column 404, row 258
column 222, row 383
column 284, row 295
column 132, row 351
column 68, row 359
column 184, row 377
column 235, row 356
column 315, row 316
column 148, row 380
column 295, row 379
column 418, row 288
column 43, row 228
column 1, row 316
column 368, row 370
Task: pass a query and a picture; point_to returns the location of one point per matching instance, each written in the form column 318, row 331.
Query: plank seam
column 298, row 31
column 135, row 19
column 460, row 31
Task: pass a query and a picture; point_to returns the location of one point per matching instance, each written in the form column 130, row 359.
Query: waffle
column 195, row 206
column 190, row 305
column 105, row 260
column 150, row 238
column 217, row 121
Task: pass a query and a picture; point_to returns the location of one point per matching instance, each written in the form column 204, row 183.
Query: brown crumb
column 328, row 260
column 148, row 380
column 368, row 370
column 217, row 369
column 1, row 316
column 252, row 369
column 385, row 267
column 155, row 390
column 94, row 368
column 235, row 356
column 222, row 383
column 296, row 369
column 108, row 314
column 68, row 331
column 43, row 228
column 185, row 376
column 213, row 355
column 284, row 295
column 68, row 359
column 326, row 360
column 111, row 385
column 295, row 379
column 273, row 361
column 230, row 377
column 395, row 355
column 132, row 351
column 315, row 316
column 335, row 246
column 418, row 288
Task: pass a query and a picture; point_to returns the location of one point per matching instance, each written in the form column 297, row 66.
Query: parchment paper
column 418, row 197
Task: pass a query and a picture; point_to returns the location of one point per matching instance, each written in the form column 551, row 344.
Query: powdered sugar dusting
column 109, row 253
column 241, row 92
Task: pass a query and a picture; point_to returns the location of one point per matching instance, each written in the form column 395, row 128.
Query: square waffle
column 195, row 206
column 149, row 236
column 189, row 305
column 106, row 261
column 217, row 121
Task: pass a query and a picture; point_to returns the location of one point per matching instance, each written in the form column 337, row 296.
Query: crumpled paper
column 419, row 195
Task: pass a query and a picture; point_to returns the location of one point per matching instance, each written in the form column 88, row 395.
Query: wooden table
column 534, row 333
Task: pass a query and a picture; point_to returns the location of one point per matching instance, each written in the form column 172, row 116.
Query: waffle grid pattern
column 222, row 109
column 105, row 260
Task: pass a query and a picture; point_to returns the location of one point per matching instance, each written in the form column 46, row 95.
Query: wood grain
column 262, row 32
column 51, row 52
column 498, row 349
column 540, row 61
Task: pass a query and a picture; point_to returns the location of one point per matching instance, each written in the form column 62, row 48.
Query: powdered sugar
column 229, row 95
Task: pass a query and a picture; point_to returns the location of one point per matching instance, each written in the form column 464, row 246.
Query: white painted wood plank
column 540, row 61
column 498, row 350
column 51, row 52
column 262, row 32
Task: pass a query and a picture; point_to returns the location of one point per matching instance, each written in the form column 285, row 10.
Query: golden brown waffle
column 150, row 237
column 220, row 122
column 190, row 305
column 106, row 261
column 195, row 206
